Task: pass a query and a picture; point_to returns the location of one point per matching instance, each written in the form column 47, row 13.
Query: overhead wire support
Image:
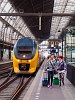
column 37, row 14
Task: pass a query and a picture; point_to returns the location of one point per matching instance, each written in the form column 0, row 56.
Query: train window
column 25, row 42
column 24, row 52
column 24, row 49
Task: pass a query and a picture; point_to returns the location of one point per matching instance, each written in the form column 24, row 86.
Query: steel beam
column 5, row 22
column 37, row 14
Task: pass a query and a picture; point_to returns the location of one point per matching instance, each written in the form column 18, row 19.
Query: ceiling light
column 39, row 22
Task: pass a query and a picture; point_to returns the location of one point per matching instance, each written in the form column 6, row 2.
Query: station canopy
column 11, row 27
column 60, row 23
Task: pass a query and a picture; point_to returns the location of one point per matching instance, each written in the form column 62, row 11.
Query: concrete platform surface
column 38, row 92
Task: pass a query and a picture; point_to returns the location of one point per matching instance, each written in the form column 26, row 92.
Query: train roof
column 25, row 42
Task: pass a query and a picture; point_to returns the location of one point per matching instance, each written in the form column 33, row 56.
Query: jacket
column 51, row 65
column 61, row 66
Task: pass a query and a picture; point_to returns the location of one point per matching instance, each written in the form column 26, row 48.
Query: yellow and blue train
column 25, row 56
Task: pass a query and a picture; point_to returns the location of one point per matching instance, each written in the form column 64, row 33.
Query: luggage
column 55, row 80
column 45, row 79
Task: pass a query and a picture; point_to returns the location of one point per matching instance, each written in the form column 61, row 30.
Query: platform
column 38, row 92
column 5, row 62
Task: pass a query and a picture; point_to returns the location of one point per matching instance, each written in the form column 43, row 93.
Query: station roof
column 51, row 27
column 36, row 6
column 60, row 23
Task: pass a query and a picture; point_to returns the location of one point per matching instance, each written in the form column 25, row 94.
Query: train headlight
column 18, row 60
column 29, row 60
column 24, row 56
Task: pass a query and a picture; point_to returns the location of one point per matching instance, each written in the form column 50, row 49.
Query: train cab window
column 25, row 46
column 23, row 50
column 26, row 42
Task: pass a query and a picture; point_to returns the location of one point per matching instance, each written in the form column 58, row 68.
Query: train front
column 25, row 56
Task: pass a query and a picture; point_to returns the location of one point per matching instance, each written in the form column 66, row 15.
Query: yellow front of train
column 19, row 64
column 27, row 66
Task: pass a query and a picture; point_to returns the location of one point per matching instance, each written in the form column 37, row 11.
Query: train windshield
column 25, row 46
column 25, row 42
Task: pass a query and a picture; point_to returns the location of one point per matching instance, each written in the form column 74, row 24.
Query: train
column 25, row 56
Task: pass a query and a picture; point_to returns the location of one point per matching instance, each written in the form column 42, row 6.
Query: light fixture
column 24, row 56
column 18, row 60
column 39, row 22
column 29, row 60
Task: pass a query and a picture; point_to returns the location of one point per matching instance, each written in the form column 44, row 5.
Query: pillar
column 62, row 45
column 1, row 52
column 9, row 54
column 65, row 48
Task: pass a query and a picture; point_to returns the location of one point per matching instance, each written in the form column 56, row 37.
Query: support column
column 65, row 48
column 71, row 48
column 62, row 45
column 9, row 54
column 1, row 52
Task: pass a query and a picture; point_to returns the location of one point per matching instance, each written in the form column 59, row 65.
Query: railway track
column 12, row 87
column 7, row 88
column 5, row 65
column 5, row 69
column 6, row 73
column 22, row 85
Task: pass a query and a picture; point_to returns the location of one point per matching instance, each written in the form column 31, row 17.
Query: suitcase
column 55, row 80
column 45, row 79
